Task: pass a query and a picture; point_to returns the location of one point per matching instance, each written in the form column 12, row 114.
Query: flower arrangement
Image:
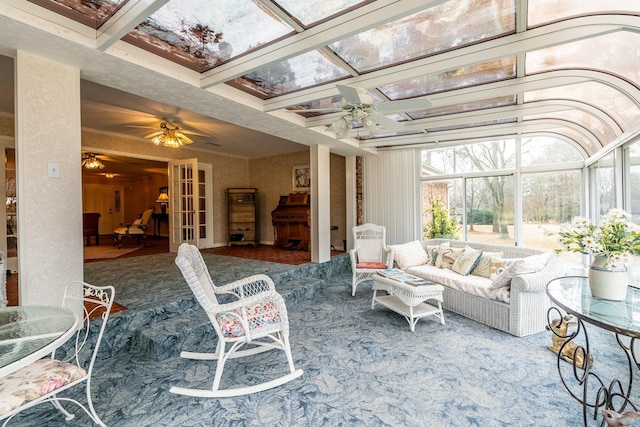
column 615, row 238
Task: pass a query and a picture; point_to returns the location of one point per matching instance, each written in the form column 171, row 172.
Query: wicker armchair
column 256, row 317
column 369, row 253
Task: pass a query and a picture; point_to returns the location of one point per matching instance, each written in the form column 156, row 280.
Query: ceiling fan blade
column 316, row 110
column 190, row 132
column 152, row 134
column 141, row 127
column 403, row 105
column 386, row 122
column 350, row 94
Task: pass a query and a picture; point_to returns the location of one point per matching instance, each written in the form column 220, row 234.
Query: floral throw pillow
column 503, row 270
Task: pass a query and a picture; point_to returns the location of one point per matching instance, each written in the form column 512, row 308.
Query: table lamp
column 163, row 199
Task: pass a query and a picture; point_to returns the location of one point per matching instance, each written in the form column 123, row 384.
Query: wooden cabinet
column 242, row 209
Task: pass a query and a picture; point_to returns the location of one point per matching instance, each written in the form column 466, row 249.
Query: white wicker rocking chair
column 369, row 253
column 257, row 317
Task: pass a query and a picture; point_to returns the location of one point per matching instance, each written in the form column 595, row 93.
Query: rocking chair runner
column 369, row 253
column 258, row 316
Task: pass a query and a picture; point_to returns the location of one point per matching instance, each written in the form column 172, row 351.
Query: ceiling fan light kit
column 359, row 106
column 90, row 161
column 169, row 135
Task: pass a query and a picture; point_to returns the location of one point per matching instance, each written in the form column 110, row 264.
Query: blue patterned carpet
column 362, row 367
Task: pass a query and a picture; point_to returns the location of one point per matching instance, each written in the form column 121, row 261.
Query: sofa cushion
column 533, row 263
column 409, row 254
column 483, row 268
column 467, row 261
column 473, row 285
column 447, row 256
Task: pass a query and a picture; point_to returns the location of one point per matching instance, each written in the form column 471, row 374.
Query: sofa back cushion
column 409, row 254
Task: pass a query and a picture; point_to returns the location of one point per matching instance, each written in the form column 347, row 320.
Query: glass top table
column 572, row 294
column 28, row 333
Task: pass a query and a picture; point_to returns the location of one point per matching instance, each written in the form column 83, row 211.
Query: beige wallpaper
column 272, row 176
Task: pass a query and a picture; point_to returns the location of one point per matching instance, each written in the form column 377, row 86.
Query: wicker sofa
column 522, row 307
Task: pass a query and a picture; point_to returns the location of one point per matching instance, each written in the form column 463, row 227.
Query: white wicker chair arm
column 353, row 254
column 409, row 294
column 252, row 285
column 389, row 257
column 537, row 282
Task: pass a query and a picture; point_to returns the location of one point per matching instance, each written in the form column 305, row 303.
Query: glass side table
column 572, row 294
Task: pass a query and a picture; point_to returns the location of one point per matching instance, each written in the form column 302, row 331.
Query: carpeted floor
column 362, row 367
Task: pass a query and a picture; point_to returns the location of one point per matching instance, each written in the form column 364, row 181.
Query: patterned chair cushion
column 371, row 264
column 36, row 380
column 262, row 313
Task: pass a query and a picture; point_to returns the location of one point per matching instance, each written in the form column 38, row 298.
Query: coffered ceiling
column 241, row 72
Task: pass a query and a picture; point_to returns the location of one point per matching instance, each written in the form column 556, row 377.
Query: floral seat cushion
column 262, row 313
column 36, row 380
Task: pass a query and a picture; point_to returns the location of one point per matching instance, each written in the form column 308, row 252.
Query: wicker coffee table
column 407, row 299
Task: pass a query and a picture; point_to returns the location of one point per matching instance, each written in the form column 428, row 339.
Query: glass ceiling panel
column 610, row 53
column 309, row 12
column 202, row 34
column 578, row 137
column 446, row 26
column 613, row 102
column 471, row 75
column 461, row 108
column 92, row 13
column 546, row 11
column 581, row 118
column 300, row 72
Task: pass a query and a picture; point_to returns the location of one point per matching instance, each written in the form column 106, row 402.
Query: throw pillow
column 409, row 254
column 467, row 261
column 432, row 252
column 483, row 268
column 500, row 265
column 447, row 256
column 533, row 263
column 505, row 269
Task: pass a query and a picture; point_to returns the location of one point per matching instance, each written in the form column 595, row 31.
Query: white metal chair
column 138, row 228
column 369, row 253
column 256, row 318
column 42, row 380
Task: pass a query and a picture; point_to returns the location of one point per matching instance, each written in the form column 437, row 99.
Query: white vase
column 607, row 283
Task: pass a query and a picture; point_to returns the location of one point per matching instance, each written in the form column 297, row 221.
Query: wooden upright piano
column 292, row 222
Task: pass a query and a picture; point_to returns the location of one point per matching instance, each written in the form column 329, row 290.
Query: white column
column 49, row 179
column 351, row 195
column 320, row 203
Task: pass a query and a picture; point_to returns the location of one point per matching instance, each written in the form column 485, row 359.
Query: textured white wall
column 392, row 194
column 49, row 209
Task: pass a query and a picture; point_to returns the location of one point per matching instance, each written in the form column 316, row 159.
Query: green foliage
column 481, row 217
column 441, row 224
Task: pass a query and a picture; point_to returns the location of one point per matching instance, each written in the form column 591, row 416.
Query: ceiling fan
column 359, row 106
column 170, row 134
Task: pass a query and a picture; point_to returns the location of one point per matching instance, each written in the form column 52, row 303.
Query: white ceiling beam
column 589, row 142
column 125, row 20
